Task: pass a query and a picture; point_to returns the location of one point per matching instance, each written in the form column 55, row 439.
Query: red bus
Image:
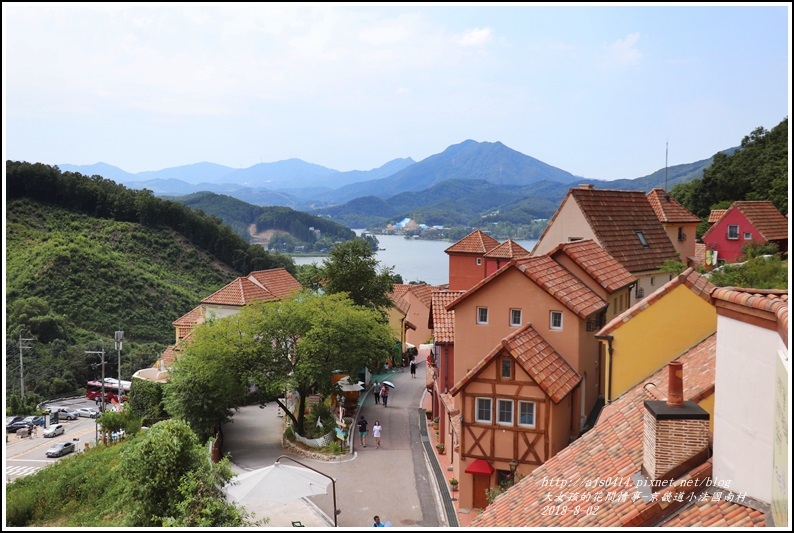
column 93, row 390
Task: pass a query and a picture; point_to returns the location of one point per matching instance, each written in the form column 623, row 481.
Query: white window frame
column 513, row 321
column 521, row 404
column 479, row 261
column 733, row 232
column 480, row 311
column 552, row 315
column 748, row 236
column 499, row 404
column 477, row 417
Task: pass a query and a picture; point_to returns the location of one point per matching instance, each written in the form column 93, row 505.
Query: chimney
column 586, row 186
column 676, row 432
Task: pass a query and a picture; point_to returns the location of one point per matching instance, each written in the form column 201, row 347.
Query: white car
column 54, row 430
column 88, row 412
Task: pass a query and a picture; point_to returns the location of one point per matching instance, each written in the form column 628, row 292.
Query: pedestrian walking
column 413, row 368
column 376, row 392
column 362, row 431
column 376, row 429
column 384, row 395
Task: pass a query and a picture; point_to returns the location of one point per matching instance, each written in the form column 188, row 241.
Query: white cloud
column 476, row 37
column 623, row 52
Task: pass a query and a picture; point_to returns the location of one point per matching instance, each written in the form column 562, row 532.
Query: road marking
column 21, row 471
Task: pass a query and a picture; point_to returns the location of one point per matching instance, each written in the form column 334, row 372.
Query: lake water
column 413, row 259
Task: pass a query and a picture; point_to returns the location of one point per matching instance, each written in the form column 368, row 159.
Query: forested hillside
column 758, row 170
column 86, row 257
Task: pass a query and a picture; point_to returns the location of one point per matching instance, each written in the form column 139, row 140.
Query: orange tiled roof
column 753, row 301
column 690, row 278
column 239, row 292
column 552, row 278
column 509, row 249
column 615, row 217
column 708, row 513
column 191, row 318
column 475, row 242
column 398, row 290
column 441, row 321
column 668, row 210
column 537, row 358
column 612, row 450
column 277, row 281
column 716, row 214
column 422, row 291
column 765, row 217
column 598, row 264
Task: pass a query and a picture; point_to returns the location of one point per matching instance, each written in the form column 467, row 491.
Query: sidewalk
column 464, row 516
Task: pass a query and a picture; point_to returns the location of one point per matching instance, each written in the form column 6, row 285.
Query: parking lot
column 24, row 456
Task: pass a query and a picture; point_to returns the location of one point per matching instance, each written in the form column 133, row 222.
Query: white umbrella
column 280, row 483
column 388, row 383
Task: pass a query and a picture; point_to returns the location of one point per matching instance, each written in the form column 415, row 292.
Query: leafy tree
column 169, row 480
column 672, row 266
column 757, row 171
column 205, row 385
column 146, row 401
column 353, row 268
column 295, row 344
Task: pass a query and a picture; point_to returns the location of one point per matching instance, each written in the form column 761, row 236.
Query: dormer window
column 641, row 237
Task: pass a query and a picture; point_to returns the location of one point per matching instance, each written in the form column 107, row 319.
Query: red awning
column 480, row 467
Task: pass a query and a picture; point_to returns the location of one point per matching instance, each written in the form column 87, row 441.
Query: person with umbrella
column 384, row 395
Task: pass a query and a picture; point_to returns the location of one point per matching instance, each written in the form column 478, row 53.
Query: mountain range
column 466, row 181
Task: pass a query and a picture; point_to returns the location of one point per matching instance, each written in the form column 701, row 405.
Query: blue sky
column 595, row 90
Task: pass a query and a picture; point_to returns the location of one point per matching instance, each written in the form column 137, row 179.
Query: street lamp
column 333, row 481
column 513, row 466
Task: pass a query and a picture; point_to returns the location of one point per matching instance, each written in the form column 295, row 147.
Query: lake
column 413, row 259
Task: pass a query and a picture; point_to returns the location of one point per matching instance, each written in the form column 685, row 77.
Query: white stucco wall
column 744, row 405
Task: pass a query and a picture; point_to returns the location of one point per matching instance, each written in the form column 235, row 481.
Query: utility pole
column 22, row 348
column 119, row 338
column 102, row 354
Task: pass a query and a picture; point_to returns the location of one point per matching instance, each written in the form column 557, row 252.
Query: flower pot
column 453, row 487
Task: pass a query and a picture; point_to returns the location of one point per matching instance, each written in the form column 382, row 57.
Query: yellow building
column 656, row 330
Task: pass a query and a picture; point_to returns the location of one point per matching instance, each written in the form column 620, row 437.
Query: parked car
column 60, row 448
column 89, row 412
column 10, row 419
column 35, row 420
column 54, row 430
column 67, row 413
column 18, row 424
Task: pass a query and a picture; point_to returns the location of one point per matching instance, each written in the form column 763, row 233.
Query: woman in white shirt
column 376, row 429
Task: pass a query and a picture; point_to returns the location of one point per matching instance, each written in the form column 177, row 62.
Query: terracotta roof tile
column 774, row 302
column 560, row 283
column 191, row 318
column 509, row 249
column 239, row 292
column 722, row 513
column 697, row 283
column 441, row 321
column 552, row 278
column 716, row 214
column 475, row 242
column 598, row 264
column 277, row 281
column 615, row 218
column 537, row 358
column 668, row 210
column 422, row 292
column 612, row 450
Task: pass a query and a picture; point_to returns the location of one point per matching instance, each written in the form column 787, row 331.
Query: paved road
column 394, row 482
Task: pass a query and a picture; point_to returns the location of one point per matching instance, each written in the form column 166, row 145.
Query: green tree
column 170, row 481
column 353, row 268
column 204, row 384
